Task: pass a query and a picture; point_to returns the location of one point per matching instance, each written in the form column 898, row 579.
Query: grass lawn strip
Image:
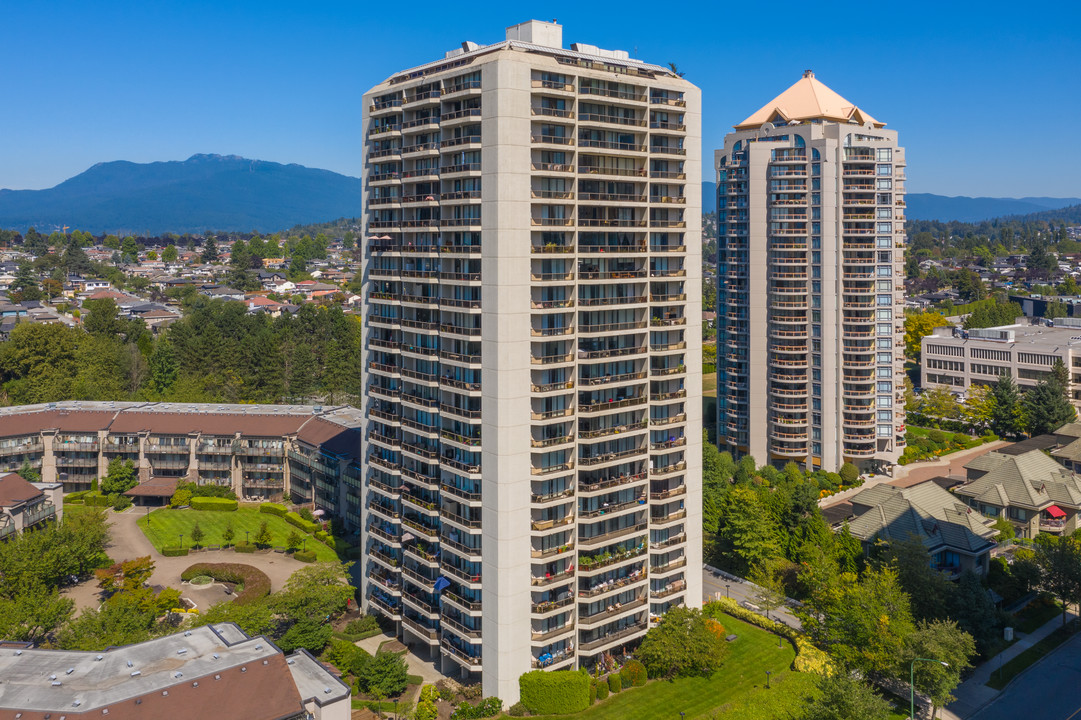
column 166, row 526
column 1001, row 678
column 742, row 676
column 1032, row 619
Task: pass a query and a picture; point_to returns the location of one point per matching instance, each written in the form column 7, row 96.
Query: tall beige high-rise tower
column 532, row 275
column 810, row 276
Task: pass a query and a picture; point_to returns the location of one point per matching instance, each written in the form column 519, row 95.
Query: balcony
column 613, row 637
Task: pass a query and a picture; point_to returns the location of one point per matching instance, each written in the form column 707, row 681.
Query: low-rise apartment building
column 309, row 455
column 1026, row 351
column 957, row 538
column 214, row 671
column 25, row 505
column 1031, row 490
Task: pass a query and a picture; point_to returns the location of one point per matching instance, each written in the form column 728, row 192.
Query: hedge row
column 615, row 682
column 296, row 521
column 244, row 547
column 174, row 551
column 558, row 692
column 255, row 581
column 307, row 556
column 76, row 497
column 273, row 509
column 96, row 499
column 808, row 657
column 214, row 503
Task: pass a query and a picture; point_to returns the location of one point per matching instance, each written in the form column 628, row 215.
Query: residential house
column 957, row 538
column 26, row 505
column 1031, row 490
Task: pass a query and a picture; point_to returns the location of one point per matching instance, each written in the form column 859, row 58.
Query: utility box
column 1007, row 634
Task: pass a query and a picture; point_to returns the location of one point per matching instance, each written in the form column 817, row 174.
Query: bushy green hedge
column 557, row 692
column 486, row 708
column 615, row 682
column 307, row 556
column 214, row 503
column 633, row 673
column 256, row 583
column 602, row 691
column 592, row 691
column 296, row 521
column 76, row 497
column 273, row 509
column 244, row 547
column 96, row 499
column 174, row 551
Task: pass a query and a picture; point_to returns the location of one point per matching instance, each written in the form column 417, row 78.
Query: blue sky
column 86, row 82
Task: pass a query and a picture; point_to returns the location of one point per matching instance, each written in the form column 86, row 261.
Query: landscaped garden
column 168, row 528
column 932, row 443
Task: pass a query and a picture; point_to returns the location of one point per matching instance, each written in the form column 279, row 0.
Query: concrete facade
column 532, row 274
column 810, row 277
column 1026, row 351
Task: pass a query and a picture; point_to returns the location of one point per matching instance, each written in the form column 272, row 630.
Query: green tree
column 316, row 591
column 169, row 254
column 930, row 591
column 307, row 633
column 1069, row 287
column 101, row 317
column 263, row 537
column 769, row 591
column 992, row 313
column 843, row 697
column 979, row 406
column 228, row 534
column 294, row 540
column 942, row 641
column 210, row 250
column 968, row 285
column 129, row 250
column 1006, row 408
column 1059, row 560
column 1040, row 262
column 197, row 534
column 120, row 478
column 917, row 326
column 35, row 243
column 112, row 242
column 746, row 537
column 849, row 474
column 385, row 675
column 33, row 613
column 29, row 473
column 682, row 645
column 163, row 367
column 1056, row 309
column 25, row 285
column 1046, row 408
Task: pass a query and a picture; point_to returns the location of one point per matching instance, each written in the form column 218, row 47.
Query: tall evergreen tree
column 210, row 249
column 1047, row 409
column 1006, row 408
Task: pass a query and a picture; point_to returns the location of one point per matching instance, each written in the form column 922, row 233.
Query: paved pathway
column 127, row 541
column 1048, row 689
column 974, row 694
column 741, row 591
column 909, row 475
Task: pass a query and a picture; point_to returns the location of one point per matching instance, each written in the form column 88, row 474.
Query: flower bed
column 255, row 582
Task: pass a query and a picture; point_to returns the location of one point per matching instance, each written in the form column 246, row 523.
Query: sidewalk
column 973, row 694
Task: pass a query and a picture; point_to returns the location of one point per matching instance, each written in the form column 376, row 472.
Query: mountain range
column 231, row 193
column 204, row 192
column 926, row 206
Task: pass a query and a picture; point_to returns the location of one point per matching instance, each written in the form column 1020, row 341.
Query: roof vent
column 187, row 633
column 136, row 673
column 266, row 662
column 18, row 653
column 243, row 669
column 291, row 661
column 326, row 690
column 130, row 664
column 70, row 671
column 77, row 703
column 53, row 676
column 99, row 658
column 178, row 674
column 165, row 693
column 181, row 651
column 217, row 677
column 57, row 683
column 195, row 684
column 258, row 647
column 217, row 656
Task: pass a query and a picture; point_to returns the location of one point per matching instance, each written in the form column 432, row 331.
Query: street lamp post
column 912, row 683
column 682, row 715
column 246, row 541
column 182, row 540
column 726, row 594
column 768, row 673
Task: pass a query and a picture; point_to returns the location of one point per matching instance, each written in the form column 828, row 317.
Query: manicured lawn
column 740, row 679
column 709, row 384
column 167, row 525
column 1036, row 615
column 74, row 509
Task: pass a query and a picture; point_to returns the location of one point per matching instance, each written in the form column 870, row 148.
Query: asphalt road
column 1050, row 690
column 742, row 592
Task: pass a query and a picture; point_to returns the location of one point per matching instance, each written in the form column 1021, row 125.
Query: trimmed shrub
column 615, row 683
column 273, row 509
column 244, row 547
column 256, row 582
column 363, row 624
column 121, row 502
column 305, row 556
column 558, row 692
column 214, row 503
column 296, row 521
column 321, row 535
column 181, row 497
column 516, row 710
column 633, row 673
column 76, row 496
column 486, row 708
column 96, row 499
column 174, row 551
column 602, row 691
column 592, row 691
column 936, row 436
